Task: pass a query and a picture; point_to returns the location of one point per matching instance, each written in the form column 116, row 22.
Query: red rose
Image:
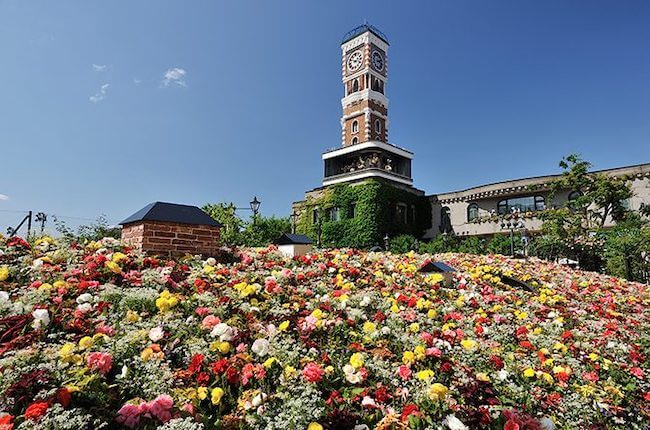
column 64, row 397
column 410, row 409
column 312, row 372
column 36, row 410
column 6, row 422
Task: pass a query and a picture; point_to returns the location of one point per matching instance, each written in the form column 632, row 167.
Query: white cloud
column 4, row 197
column 175, row 76
column 99, row 67
column 137, row 81
column 101, row 95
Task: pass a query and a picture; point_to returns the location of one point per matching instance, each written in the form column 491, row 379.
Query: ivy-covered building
column 367, row 190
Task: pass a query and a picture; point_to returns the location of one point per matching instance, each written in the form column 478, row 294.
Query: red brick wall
column 164, row 238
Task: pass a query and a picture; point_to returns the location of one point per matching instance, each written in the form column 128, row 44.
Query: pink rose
column 161, row 407
column 100, row 361
column 404, row 372
column 209, row 322
column 129, row 415
column 312, row 372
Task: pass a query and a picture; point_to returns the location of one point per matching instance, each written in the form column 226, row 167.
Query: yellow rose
column 146, row 354
column 356, row 360
column 86, row 342
column 424, row 375
column 414, row 327
column 437, row 392
column 469, row 344
column 314, row 426
column 269, row 362
column 529, row 373
column 408, row 357
column 4, row 273
column 369, row 327
column 224, row 347
column 118, row 256
column 202, row 392
column 284, row 325
column 113, row 267
column 216, row 395
column 132, row 316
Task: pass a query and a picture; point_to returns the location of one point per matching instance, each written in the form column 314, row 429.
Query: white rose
column 85, row 298
column 41, row 318
column 37, row 263
column 546, row 424
column 156, row 333
column 84, row 307
column 502, row 375
column 223, row 331
column 368, row 401
column 211, row 262
column 4, row 296
column 257, row 400
column 454, row 423
column 260, row 347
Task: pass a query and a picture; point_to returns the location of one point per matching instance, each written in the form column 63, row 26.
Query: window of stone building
column 445, row 220
column 521, row 204
column 355, row 86
column 355, row 127
column 401, row 213
column 378, row 126
column 472, row 212
column 355, row 140
column 352, row 210
column 334, row 214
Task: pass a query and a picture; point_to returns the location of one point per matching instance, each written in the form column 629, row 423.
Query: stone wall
column 172, row 239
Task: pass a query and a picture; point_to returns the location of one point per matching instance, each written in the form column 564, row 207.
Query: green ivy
column 375, row 214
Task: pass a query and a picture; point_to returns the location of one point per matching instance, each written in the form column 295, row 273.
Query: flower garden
column 98, row 336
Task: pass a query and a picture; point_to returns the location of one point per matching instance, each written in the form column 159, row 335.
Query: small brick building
column 171, row 229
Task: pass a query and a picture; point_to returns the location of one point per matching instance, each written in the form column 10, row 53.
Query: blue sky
column 107, row 106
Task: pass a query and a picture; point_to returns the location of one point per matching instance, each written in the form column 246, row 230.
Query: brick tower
column 366, row 152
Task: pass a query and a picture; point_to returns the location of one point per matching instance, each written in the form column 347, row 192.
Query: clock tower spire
column 365, row 73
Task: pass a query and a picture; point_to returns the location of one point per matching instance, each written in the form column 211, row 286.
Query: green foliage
column 403, row 243
column 442, row 243
column 626, row 249
column 260, row 231
column 97, row 230
column 232, row 225
column 373, row 216
column 573, row 231
column 500, row 244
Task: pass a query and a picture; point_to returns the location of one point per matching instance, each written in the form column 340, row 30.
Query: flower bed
column 101, row 337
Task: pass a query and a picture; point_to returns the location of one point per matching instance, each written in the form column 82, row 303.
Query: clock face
column 377, row 61
column 354, row 61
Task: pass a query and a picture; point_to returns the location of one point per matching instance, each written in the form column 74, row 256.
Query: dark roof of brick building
column 172, row 212
column 293, row 239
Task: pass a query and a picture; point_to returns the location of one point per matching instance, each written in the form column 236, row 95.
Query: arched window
column 472, row 212
column 355, row 140
column 378, row 126
column 445, row 220
column 355, row 127
column 355, row 86
column 521, row 204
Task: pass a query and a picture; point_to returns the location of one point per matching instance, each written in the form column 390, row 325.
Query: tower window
column 352, row 211
column 355, row 86
column 378, row 126
column 355, row 127
column 355, row 140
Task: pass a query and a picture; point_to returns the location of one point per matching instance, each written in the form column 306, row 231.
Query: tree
column 572, row 229
column 231, row 225
column 96, row 230
column 262, row 231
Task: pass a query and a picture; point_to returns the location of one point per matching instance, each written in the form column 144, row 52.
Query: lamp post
column 254, row 206
column 319, row 231
column 386, row 242
column 512, row 225
column 294, row 219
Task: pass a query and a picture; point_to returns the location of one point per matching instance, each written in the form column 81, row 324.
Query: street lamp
column 255, row 205
column 294, row 219
column 512, row 225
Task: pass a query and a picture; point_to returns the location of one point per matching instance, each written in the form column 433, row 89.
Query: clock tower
column 366, row 152
column 365, row 72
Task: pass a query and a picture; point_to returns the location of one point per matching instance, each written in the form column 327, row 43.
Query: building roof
column 362, row 29
column 172, row 212
column 521, row 185
column 436, row 267
column 293, row 239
